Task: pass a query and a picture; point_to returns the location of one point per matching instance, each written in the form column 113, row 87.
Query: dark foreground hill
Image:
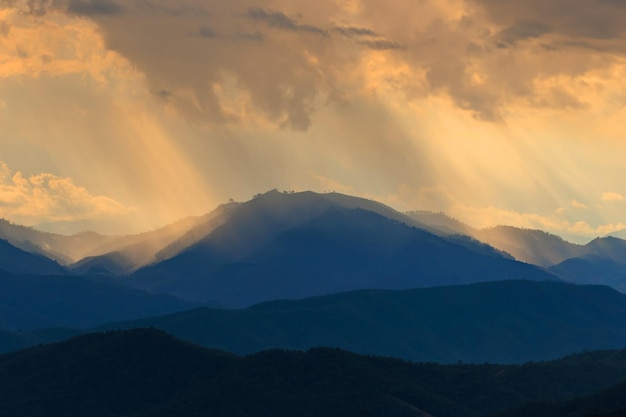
column 504, row 322
column 610, row 402
column 148, row 373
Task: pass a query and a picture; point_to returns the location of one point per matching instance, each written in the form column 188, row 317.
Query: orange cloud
column 612, row 196
column 46, row 197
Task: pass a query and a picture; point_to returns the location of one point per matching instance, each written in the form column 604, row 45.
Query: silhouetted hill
column 30, row 302
column 15, row 340
column 145, row 372
column 606, row 403
column 18, row 261
column 513, row 321
column 281, row 246
column 592, row 268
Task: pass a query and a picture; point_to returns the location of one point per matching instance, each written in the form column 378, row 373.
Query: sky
column 124, row 116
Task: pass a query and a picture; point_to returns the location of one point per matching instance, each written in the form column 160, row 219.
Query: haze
column 124, row 116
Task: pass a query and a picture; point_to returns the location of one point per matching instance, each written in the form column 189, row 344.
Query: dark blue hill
column 511, row 321
column 15, row 260
column 38, row 301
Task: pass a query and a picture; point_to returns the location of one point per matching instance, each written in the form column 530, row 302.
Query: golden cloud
column 44, row 196
column 612, row 196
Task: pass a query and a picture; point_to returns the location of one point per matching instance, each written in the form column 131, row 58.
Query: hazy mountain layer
column 15, row 260
column 281, row 246
column 31, row 302
column 506, row 322
column 64, row 249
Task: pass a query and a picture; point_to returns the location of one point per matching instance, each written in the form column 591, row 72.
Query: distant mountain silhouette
column 18, row 261
column 31, row 302
column 279, row 246
column 532, row 246
column 592, row 268
column 125, row 254
column 146, row 372
column 544, row 249
column 507, row 322
column 61, row 248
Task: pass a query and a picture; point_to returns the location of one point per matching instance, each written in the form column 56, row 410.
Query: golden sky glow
column 143, row 111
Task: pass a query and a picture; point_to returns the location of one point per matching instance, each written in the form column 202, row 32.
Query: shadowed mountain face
column 125, row 254
column 29, row 302
column 148, row 373
column 18, row 261
column 292, row 246
column 592, row 268
column 507, row 322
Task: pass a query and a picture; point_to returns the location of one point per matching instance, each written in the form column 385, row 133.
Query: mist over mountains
column 301, row 271
column 295, row 245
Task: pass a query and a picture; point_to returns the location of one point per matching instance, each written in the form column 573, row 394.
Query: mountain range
column 294, row 246
column 503, row 322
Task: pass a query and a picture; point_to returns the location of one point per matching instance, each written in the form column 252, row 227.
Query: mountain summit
column 295, row 245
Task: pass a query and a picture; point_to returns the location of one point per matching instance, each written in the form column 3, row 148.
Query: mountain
column 37, row 301
column 610, row 402
column 532, row 246
column 285, row 246
column 61, row 248
column 592, row 268
column 504, row 322
column 145, row 372
column 440, row 223
column 18, row 261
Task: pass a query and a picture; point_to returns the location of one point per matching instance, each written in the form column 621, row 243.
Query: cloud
column 351, row 31
column 521, row 31
column 381, row 44
column 577, row 204
column 207, row 32
column 5, row 28
column 280, row 20
column 612, row 196
column 493, row 216
column 95, row 7
column 47, row 197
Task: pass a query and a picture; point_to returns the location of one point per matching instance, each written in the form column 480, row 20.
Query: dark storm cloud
column 381, row 45
column 351, row 31
column 207, row 32
column 279, row 20
column 593, row 19
column 521, row 31
column 94, row 7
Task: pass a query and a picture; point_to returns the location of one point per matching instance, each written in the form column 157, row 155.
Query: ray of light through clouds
column 496, row 112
